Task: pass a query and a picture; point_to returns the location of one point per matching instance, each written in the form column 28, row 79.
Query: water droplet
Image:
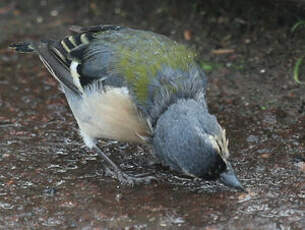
column 61, row 152
column 51, row 222
column 252, row 138
column 4, row 205
column 69, row 167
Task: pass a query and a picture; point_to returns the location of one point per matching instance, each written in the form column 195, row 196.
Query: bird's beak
column 229, row 178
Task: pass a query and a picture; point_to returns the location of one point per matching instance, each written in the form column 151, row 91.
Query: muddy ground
column 49, row 180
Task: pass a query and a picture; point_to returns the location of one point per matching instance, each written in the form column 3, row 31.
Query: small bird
column 140, row 87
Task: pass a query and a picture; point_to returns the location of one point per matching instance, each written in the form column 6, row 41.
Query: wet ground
column 49, row 180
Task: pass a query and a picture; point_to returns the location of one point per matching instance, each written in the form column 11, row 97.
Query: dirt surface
column 49, row 180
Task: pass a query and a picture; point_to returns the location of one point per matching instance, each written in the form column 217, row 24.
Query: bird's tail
column 46, row 52
column 23, row 47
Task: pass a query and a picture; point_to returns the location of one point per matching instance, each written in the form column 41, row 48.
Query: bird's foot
column 130, row 180
column 114, row 171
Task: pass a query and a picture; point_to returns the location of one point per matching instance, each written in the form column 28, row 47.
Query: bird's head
column 190, row 140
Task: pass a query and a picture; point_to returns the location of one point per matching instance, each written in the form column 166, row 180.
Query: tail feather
column 23, row 47
column 64, row 58
column 54, row 63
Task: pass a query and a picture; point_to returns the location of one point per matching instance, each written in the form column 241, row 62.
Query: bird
column 140, row 87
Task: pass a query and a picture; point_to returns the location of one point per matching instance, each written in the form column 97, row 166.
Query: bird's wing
column 62, row 57
column 123, row 56
column 119, row 56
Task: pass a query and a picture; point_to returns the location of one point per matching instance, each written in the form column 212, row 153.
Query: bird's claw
column 130, row 180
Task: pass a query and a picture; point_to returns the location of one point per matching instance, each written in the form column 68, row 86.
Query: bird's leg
column 114, row 171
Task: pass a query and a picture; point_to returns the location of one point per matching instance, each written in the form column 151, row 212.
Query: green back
column 139, row 55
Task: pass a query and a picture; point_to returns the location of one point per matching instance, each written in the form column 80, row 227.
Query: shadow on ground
column 49, row 180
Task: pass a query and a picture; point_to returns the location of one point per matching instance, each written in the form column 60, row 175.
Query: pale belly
column 110, row 114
